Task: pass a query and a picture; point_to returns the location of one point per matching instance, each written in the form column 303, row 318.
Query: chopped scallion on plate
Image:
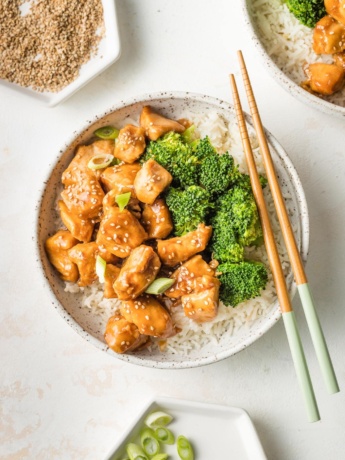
column 100, row 161
column 122, row 200
column 159, row 285
column 184, row 448
column 164, row 435
column 149, row 442
column 157, row 419
column 107, row 132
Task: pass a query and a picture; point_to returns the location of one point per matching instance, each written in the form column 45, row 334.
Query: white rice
column 288, row 42
column 225, row 137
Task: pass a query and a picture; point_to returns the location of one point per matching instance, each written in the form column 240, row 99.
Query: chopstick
column 276, row 268
column 313, row 321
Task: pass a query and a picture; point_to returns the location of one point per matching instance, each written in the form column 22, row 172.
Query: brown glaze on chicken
column 149, row 315
column 110, row 276
column 335, row 8
column 324, row 79
column 119, row 231
column 130, row 144
column 150, row 181
column 156, row 125
column 83, row 193
column 202, row 305
column 80, row 228
column 339, row 59
column 329, row 36
column 182, row 248
column 137, row 273
column 186, row 275
column 122, row 335
column 84, row 256
column 57, row 247
column 156, row 219
column 120, row 178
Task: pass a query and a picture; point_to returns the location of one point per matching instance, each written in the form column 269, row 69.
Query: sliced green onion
column 107, row 132
column 115, row 161
column 123, row 200
column 135, row 452
column 101, row 161
column 184, row 448
column 160, row 457
column 149, row 442
column 159, row 418
column 101, row 265
column 188, row 135
column 164, row 435
column 159, row 285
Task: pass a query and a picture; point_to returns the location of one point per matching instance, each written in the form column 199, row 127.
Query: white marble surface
column 61, row 398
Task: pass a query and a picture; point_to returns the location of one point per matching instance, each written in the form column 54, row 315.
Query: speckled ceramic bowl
column 87, row 324
column 287, row 83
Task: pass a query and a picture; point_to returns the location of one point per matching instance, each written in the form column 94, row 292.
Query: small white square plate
column 109, row 51
column 214, row 431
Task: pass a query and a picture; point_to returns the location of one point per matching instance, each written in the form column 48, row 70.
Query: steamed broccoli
column 203, row 148
column 188, row 207
column 176, row 156
column 224, row 244
column 308, row 12
column 217, row 173
column 242, row 281
column 243, row 181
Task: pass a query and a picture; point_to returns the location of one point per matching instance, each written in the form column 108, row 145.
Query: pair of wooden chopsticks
column 294, row 255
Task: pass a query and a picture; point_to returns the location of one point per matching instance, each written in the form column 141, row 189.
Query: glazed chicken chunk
column 120, row 178
column 83, row 194
column 110, row 276
column 155, row 125
column 336, row 9
column 202, row 305
column 84, row 256
column 130, row 144
column 150, row 181
column 149, row 315
column 182, row 248
column 119, row 231
column 156, row 219
column 138, row 271
column 57, row 247
column 122, row 335
column 339, row 59
column 325, row 79
column 80, row 228
column 329, row 36
column 185, row 276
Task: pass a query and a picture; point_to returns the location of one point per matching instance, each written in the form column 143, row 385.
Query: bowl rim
column 147, row 361
column 280, row 77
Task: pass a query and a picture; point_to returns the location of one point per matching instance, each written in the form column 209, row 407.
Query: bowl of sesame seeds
column 87, row 310
column 51, row 48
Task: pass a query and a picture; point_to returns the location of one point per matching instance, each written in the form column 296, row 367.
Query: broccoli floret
column 243, row 181
column 224, row 244
column 188, row 207
column 203, row 148
column 242, row 281
column 308, row 12
column 176, row 156
column 217, row 173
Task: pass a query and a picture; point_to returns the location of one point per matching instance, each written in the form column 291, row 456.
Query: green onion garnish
column 149, row 442
column 164, row 435
column 123, row 200
column 101, row 265
column 100, row 161
column 160, row 457
column 184, row 449
column 107, row 132
column 159, row 285
column 159, row 418
column 135, row 452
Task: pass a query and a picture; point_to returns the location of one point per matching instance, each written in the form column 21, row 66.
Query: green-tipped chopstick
column 276, row 268
column 313, row 322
